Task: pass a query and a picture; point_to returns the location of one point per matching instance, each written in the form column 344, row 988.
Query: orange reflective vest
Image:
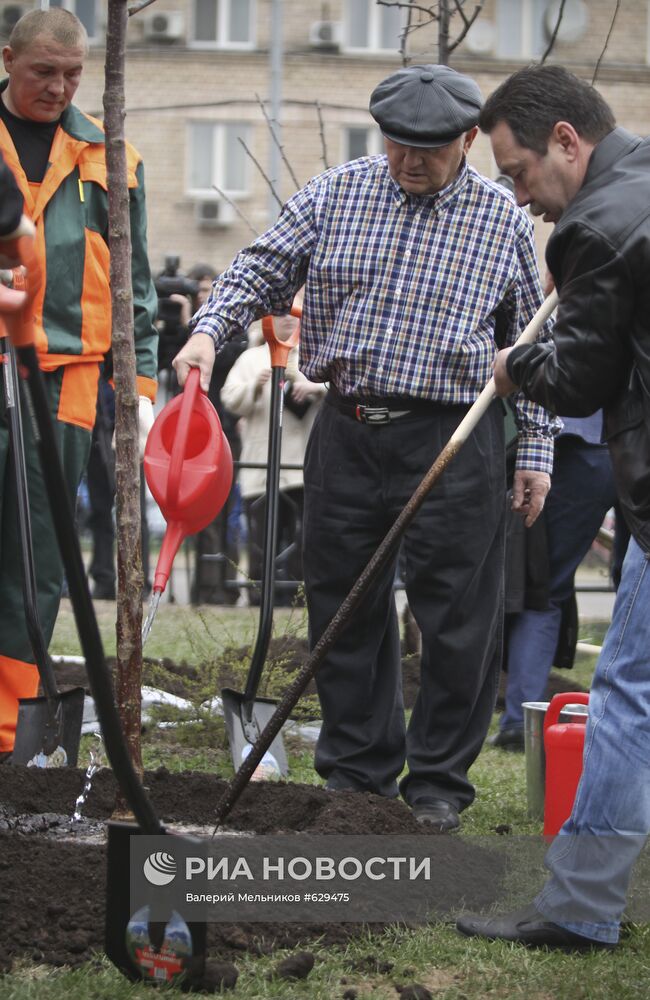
column 70, row 211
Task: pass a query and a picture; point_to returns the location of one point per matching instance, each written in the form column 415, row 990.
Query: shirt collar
column 441, row 199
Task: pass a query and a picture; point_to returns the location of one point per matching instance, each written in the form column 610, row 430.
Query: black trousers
column 357, row 480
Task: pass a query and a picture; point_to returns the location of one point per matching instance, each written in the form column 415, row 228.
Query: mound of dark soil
column 52, row 881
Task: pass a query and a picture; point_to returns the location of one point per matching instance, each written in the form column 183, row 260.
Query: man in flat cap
column 412, row 262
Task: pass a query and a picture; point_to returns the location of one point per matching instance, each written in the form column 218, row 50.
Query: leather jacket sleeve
column 589, row 362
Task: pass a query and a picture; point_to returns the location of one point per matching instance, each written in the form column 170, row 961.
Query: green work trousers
column 15, row 648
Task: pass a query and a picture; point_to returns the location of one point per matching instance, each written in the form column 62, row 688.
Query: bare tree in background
column 420, row 15
column 127, row 465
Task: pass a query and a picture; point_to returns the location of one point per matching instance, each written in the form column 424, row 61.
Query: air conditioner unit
column 214, row 213
column 325, row 35
column 165, row 26
column 9, row 15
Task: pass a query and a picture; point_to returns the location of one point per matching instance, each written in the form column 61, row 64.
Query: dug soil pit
column 53, row 870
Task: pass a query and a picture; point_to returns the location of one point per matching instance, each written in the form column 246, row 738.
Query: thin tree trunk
column 443, row 33
column 127, row 467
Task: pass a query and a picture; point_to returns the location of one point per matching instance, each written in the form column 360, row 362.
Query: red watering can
column 563, row 747
column 188, row 468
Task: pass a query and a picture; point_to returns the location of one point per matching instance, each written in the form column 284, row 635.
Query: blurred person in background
column 247, row 393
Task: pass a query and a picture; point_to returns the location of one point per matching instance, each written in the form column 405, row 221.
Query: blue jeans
column 582, row 492
column 592, row 857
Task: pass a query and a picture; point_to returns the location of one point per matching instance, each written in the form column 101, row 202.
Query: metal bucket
column 534, row 712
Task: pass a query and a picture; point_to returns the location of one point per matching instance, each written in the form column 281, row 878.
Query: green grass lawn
column 448, row 965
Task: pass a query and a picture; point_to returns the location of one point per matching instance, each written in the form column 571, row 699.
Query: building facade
column 200, row 75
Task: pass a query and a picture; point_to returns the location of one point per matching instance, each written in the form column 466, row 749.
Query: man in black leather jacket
column 557, row 139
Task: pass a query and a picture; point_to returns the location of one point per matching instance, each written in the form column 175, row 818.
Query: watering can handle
column 280, row 349
column 192, row 387
column 559, row 701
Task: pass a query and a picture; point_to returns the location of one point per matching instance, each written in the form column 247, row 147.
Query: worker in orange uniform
column 57, row 154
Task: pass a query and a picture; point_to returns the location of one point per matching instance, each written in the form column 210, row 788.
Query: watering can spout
column 174, row 535
column 188, row 468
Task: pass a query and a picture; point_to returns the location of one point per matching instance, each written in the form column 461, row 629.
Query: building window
column 223, row 23
column 520, row 29
column 361, row 141
column 217, row 157
column 86, row 11
column 370, row 26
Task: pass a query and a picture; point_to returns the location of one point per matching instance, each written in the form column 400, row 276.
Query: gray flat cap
column 425, row 105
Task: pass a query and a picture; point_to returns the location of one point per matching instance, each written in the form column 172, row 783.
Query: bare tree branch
column 262, row 171
column 439, row 11
column 411, row 6
column 551, row 43
column 321, row 132
column 403, row 36
column 237, row 209
column 467, row 21
column 609, row 35
column 276, row 141
column 135, row 8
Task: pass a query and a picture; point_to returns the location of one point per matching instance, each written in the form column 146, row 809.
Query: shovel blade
column 39, row 732
column 141, row 950
column 262, row 710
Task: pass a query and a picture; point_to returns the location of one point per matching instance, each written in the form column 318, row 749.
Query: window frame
column 374, row 136
column 375, row 13
column 218, row 154
column 526, row 47
column 224, row 8
column 100, row 20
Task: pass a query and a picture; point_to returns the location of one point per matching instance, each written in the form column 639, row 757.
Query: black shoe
column 104, row 592
column 5, row 756
column 437, row 814
column 509, row 739
column 528, row 927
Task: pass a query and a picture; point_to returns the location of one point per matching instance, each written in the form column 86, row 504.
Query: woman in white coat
column 247, row 393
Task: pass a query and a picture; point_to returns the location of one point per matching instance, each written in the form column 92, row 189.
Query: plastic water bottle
column 268, row 768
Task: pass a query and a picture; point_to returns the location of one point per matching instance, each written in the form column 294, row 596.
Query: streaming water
column 151, row 614
column 93, row 767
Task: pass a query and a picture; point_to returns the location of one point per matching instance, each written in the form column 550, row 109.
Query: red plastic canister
column 188, row 467
column 563, row 747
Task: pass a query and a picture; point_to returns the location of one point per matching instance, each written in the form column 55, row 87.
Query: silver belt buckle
column 375, row 415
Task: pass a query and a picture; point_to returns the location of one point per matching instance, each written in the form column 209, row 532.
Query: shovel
column 15, row 307
column 188, row 468
column 245, row 714
column 386, row 550
column 48, row 729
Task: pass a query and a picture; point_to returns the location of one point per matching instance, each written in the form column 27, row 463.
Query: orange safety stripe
column 146, row 387
column 17, row 680
column 68, row 153
column 78, row 399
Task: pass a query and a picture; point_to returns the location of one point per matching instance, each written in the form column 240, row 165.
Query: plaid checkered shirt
column 404, row 294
